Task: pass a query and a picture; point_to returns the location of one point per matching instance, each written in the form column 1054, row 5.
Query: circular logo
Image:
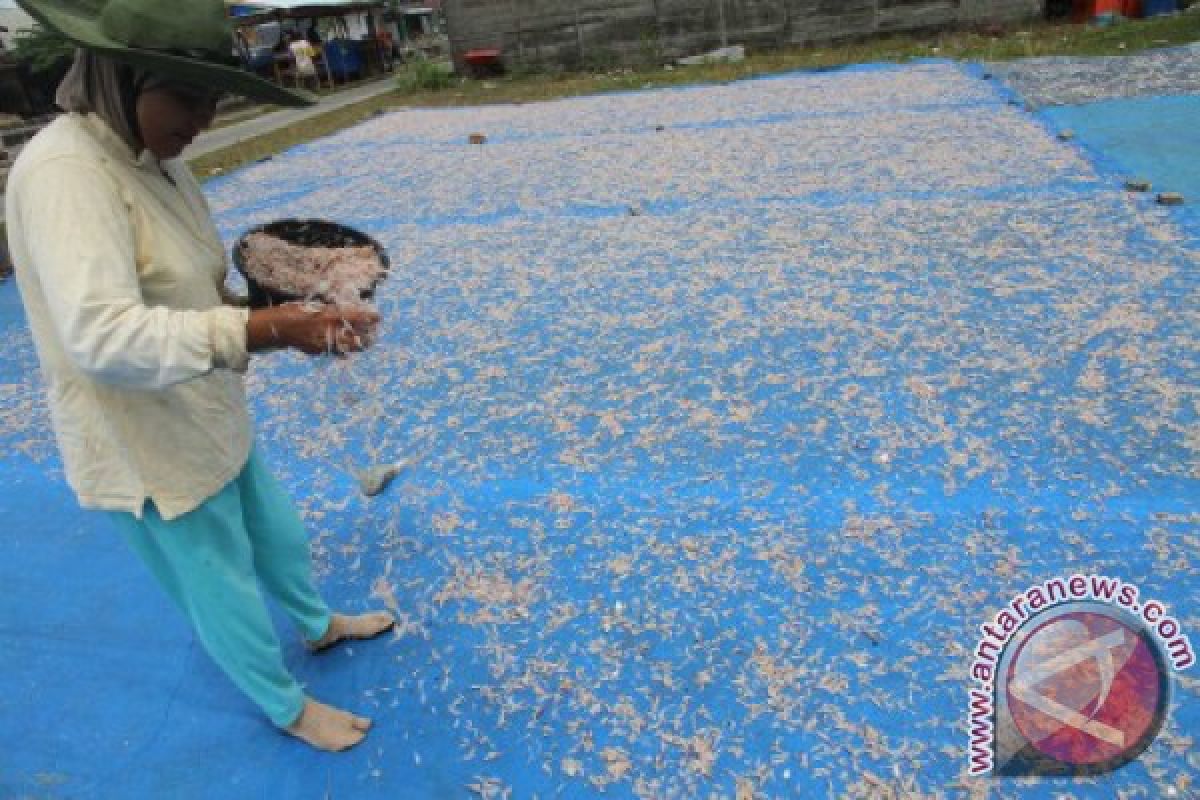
column 1087, row 690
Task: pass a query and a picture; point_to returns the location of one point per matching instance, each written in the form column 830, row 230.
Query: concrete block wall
column 603, row 32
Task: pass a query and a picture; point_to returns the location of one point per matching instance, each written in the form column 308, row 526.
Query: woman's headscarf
column 109, row 89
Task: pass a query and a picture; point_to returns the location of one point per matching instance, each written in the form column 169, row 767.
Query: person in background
column 241, row 46
column 121, row 272
column 303, row 54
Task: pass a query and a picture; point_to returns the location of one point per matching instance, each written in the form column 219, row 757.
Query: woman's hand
column 312, row 328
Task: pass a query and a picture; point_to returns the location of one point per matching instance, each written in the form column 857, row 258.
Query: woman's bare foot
column 362, row 626
column 328, row 728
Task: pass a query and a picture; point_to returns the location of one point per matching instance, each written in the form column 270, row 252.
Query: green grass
column 424, row 75
column 1035, row 39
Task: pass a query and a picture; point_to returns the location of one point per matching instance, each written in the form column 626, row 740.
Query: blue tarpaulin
column 729, row 414
column 1154, row 138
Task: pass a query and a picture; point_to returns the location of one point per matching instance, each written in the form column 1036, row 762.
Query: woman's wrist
column 263, row 330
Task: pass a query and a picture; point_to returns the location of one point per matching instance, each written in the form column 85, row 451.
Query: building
column 12, row 21
column 602, row 32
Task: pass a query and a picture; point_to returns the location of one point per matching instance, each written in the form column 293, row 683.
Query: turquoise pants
column 211, row 562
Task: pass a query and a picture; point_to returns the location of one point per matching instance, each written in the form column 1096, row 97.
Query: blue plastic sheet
column 730, row 413
column 1153, row 138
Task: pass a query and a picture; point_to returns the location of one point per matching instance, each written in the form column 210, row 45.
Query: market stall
column 347, row 37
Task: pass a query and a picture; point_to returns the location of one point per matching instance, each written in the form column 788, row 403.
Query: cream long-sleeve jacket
column 122, row 276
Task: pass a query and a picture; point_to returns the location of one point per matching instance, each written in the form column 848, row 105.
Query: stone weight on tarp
column 374, row 479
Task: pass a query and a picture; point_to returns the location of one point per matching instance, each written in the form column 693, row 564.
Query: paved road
column 242, row 131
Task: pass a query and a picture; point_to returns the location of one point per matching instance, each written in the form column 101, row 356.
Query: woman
column 303, row 53
column 122, row 274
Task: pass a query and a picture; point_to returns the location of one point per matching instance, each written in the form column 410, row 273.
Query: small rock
column 1066, row 136
column 477, row 138
column 374, row 480
column 633, row 212
column 660, row 128
column 1170, row 199
column 1137, row 185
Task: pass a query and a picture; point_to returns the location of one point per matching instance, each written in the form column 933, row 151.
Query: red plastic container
column 1087, row 10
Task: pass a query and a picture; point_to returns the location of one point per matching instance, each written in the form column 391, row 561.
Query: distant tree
column 42, row 58
column 42, row 50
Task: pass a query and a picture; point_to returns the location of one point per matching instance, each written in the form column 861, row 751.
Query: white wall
column 15, row 20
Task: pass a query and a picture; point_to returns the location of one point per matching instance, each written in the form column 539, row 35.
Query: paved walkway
column 242, row 131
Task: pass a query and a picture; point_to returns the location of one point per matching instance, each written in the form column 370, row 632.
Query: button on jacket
column 122, row 272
